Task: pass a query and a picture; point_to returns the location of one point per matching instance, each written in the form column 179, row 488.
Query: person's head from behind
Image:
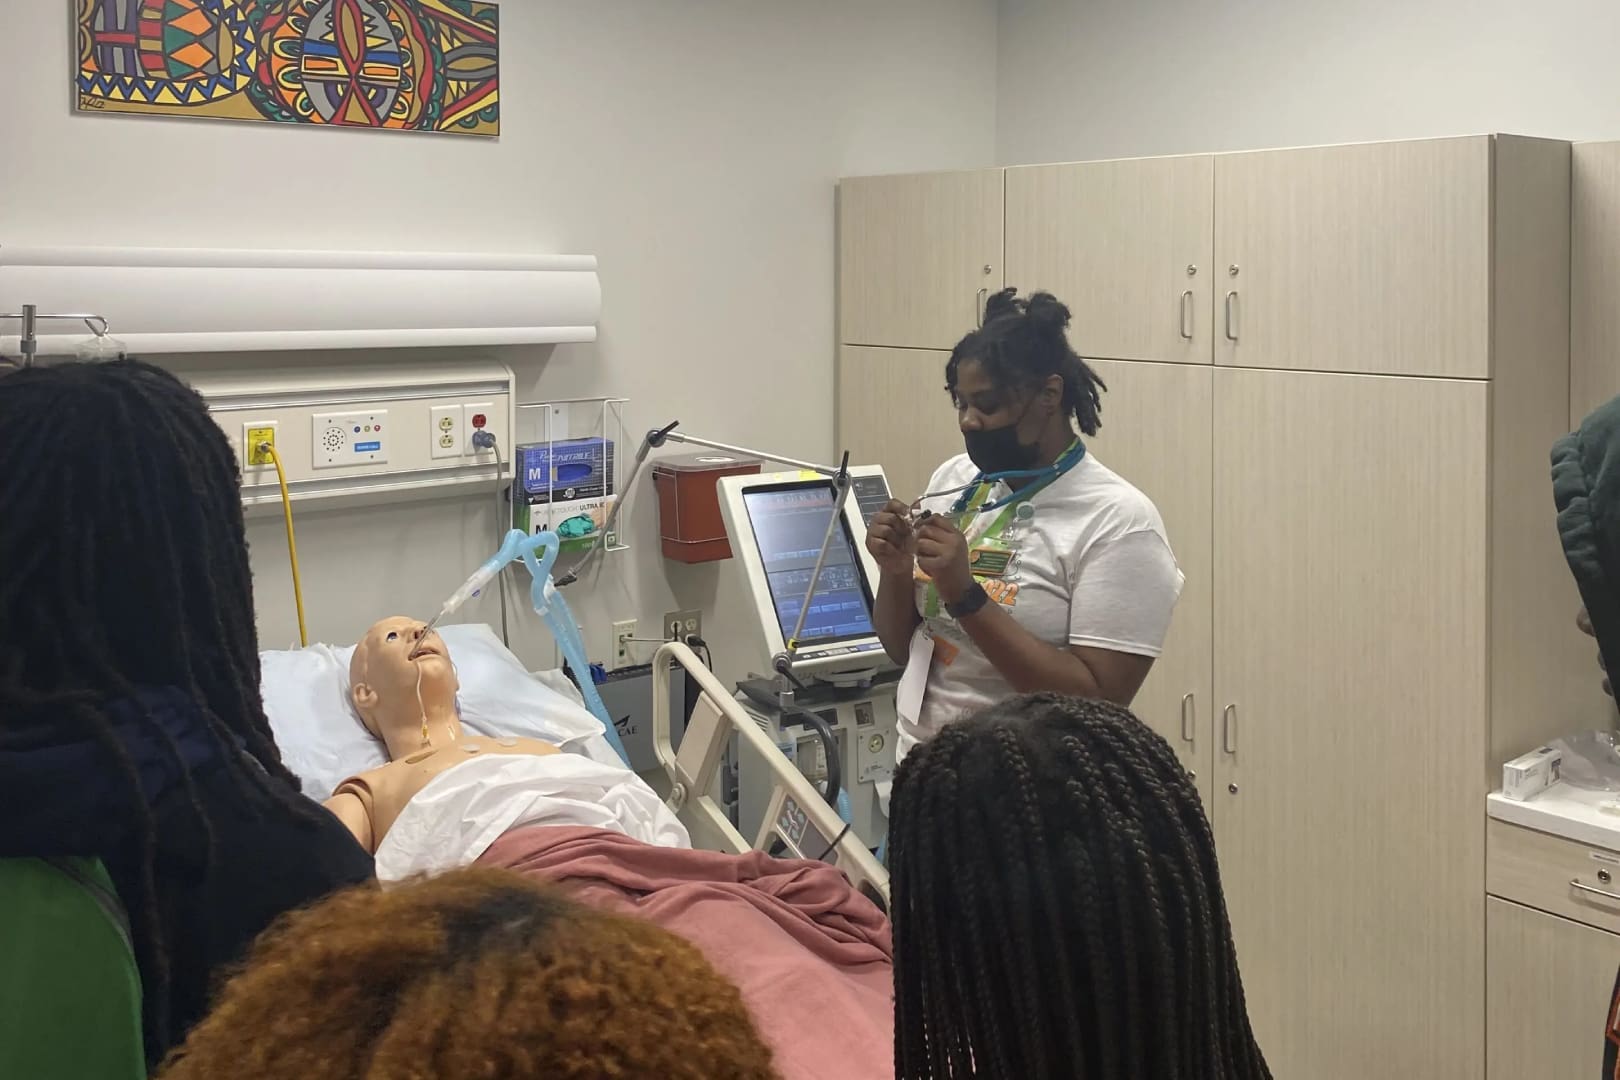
column 1017, row 384
column 480, row 972
column 125, row 558
column 124, row 571
column 1057, row 905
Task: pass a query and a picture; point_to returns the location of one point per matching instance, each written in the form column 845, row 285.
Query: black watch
column 972, row 600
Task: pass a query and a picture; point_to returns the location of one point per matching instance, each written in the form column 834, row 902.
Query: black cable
column 829, row 744
column 695, row 642
column 836, row 841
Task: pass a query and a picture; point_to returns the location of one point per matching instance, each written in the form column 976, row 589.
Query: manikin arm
column 352, row 810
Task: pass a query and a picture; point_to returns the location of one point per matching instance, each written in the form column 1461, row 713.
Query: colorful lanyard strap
column 972, row 504
column 973, row 496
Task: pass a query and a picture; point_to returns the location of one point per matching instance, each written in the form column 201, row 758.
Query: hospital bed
column 323, row 742
column 796, row 815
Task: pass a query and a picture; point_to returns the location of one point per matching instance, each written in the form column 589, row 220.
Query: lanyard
column 972, row 502
column 973, row 496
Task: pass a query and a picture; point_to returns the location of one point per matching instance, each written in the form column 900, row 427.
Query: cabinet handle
column 1189, row 716
column 1231, row 316
column 1580, row 886
column 1229, row 729
column 1187, row 314
column 979, row 299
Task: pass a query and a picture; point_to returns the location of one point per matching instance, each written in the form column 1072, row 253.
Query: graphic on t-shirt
column 1004, row 593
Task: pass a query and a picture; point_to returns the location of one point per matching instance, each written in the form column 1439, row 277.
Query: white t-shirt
column 1093, row 567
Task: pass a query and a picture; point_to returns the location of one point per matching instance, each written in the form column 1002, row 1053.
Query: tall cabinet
column 1345, row 426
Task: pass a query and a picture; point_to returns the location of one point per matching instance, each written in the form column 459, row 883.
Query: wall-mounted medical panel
column 366, row 434
column 184, row 300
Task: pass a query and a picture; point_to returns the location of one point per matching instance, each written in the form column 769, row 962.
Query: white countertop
column 1562, row 810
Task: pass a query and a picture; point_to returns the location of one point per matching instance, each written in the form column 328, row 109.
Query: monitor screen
column 789, row 522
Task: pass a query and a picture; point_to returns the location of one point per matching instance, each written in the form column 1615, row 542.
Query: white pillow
column 306, row 697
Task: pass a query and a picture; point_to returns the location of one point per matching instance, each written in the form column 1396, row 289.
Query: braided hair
column 1024, row 342
column 123, row 563
column 1057, row 905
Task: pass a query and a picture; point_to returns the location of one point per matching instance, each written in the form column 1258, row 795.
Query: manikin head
column 384, row 681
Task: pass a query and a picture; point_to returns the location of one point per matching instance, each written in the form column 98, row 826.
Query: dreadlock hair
column 1021, row 344
column 124, row 563
column 1057, row 905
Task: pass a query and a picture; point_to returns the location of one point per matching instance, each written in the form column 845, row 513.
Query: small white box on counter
column 1529, row 775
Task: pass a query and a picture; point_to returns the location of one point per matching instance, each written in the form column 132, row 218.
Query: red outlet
column 478, row 421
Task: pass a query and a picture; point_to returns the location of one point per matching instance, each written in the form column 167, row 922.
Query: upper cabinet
column 1127, row 245
column 1369, row 258
column 917, row 256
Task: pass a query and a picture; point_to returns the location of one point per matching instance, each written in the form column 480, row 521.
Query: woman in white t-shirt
column 1029, row 565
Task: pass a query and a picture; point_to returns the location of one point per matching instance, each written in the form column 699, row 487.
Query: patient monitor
column 777, row 523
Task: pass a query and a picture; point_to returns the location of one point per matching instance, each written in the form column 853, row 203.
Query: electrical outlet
column 446, row 430
column 623, row 634
column 478, row 416
column 680, row 625
column 254, row 434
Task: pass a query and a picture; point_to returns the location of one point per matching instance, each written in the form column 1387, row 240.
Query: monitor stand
column 855, row 709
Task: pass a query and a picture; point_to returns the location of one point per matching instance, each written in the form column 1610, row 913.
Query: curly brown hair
column 477, row 973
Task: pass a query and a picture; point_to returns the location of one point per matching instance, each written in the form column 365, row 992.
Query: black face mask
column 997, row 450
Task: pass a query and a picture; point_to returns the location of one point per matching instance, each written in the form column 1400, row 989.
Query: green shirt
column 70, row 993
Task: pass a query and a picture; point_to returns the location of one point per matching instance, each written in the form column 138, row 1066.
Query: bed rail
column 796, row 815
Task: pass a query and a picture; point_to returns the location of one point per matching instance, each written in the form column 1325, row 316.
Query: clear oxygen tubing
column 549, row 604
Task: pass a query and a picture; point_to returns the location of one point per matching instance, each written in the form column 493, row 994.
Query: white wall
column 692, row 146
column 1086, row 79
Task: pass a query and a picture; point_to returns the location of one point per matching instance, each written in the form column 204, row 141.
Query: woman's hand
column 942, row 554
column 891, row 541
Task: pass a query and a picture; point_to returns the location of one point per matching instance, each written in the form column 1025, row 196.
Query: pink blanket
column 812, row 957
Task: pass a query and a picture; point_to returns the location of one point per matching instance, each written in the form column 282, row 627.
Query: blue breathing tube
column 550, row 605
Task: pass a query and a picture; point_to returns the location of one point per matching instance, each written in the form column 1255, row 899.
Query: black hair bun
column 1048, row 310
column 1002, row 304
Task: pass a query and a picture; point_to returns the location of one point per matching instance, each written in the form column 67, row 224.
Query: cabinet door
column 1156, row 433
column 1350, row 637
column 1548, row 988
column 1594, row 317
column 917, row 256
column 1372, row 258
column 1126, row 244
column 893, row 411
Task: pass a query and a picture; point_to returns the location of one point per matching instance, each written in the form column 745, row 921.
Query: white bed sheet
column 462, row 811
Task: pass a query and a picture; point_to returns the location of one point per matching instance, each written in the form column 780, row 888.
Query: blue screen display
column 789, row 524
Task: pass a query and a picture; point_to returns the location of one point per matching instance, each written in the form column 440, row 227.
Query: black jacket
column 66, row 799
column 1586, row 489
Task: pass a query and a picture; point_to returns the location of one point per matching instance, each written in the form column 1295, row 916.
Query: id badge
column 989, row 561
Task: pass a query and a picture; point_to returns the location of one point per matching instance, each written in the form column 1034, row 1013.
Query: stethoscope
column 1042, row 477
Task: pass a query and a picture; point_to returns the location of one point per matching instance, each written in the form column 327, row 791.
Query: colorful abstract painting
column 414, row 65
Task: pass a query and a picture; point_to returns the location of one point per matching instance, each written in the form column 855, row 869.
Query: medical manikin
column 404, row 688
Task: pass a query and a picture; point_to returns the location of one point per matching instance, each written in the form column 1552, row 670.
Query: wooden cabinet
column 917, row 256
column 1369, row 258
column 1350, row 650
column 1377, row 611
column 1156, row 431
column 1594, row 316
column 1126, row 244
column 1547, row 994
column 893, row 410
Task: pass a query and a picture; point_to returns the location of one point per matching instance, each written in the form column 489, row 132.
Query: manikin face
column 383, row 679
